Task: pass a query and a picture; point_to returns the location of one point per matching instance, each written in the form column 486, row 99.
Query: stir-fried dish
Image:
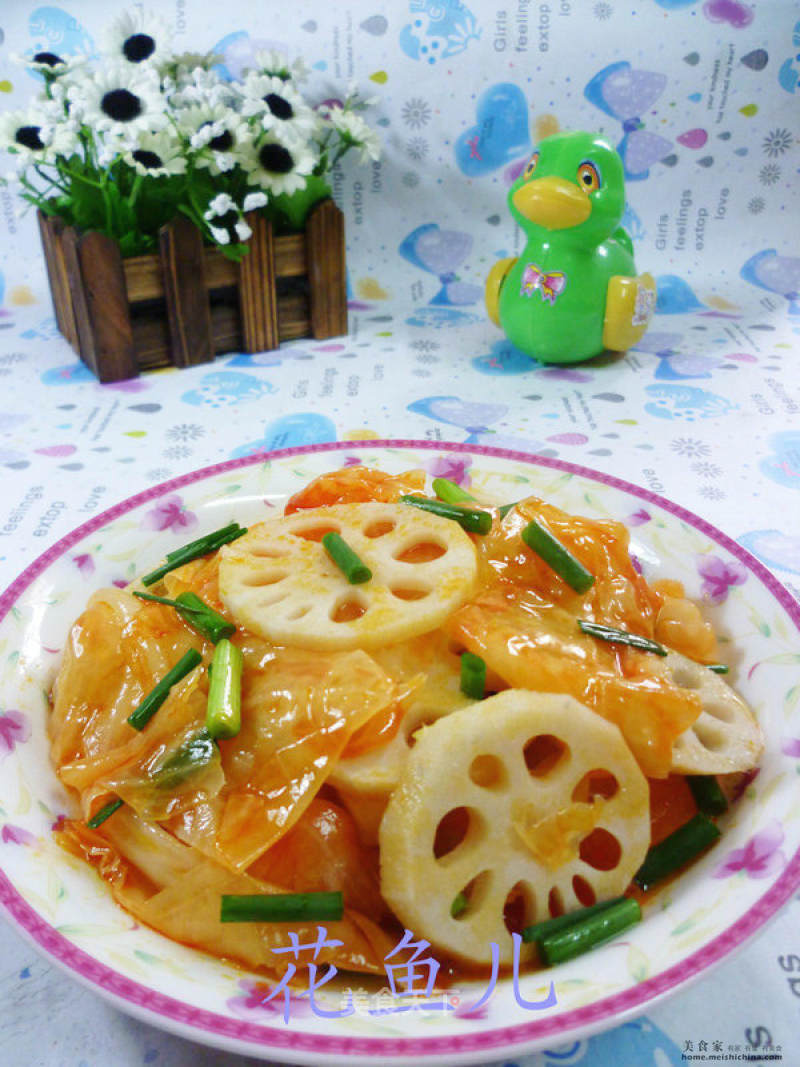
column 389, row 711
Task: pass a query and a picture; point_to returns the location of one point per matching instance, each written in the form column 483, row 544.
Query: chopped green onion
column 451, row 493
column 589, row 932
column 553, row 926
column 557, row 557
column 204, row 618
column 470, row 519
column 707, row 794
column 191, row 756
column 353, row 568
column 282, row 908
column 104, row 813
column 197, row 613
column 719, row 668
column 156, row 697
column 459, row 904
column 504, row 509
column 224, row 707
column 202, row 542
column 473, row 676
column 201, row 547
column 676, row 850
column 621, row 637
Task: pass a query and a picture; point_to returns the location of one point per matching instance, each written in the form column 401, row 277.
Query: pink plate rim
column 168, row 1010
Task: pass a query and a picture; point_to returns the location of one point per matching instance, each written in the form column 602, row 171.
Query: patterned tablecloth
column 702, row 99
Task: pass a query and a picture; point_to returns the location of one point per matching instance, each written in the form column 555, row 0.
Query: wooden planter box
column 188, row 303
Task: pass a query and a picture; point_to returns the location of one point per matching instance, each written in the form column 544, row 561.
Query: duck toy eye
column 589, row 177
column 531, row 166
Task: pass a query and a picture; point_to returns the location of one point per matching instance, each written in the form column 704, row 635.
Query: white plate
column 694, row 923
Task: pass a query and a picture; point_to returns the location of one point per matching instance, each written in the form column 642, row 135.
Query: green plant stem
column 107, row 207
column 81, row 178
column 134, row 193
column 36, row 197
column 50, row 181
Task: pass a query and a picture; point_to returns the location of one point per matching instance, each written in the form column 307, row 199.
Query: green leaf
column 760, row 624
column 291, row 211
column 638, row 964
column 791, row 699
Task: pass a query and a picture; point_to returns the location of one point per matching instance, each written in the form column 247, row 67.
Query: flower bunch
column 124, row 147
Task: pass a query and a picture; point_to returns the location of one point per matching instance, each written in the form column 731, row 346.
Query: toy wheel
column 280, row 583
column 725, row 737
column 519, row 807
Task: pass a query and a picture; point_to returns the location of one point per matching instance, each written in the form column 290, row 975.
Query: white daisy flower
column 222, row 237
column 138, row 36
column 50, row 64
column 272, row 61
column 121, row 99
column 254, row 201
column 278, row 166
column 355, row 133
column 201, row 88
column 225, row 222
column 155, row 155
column 278, row 106
column 215, row 133
column 180, row 67
column 37, row 134
column 219, row 206
column 355, row 101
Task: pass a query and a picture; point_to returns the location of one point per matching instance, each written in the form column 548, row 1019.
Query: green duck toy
column 574, row 291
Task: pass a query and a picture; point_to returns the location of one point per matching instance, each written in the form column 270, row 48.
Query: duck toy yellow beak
column 554, row 203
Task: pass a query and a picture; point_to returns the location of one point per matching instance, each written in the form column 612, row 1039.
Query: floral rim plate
column 692, row 924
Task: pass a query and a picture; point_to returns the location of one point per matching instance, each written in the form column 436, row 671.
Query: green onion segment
column 707, row 794
column 473, row 676
column 352, row 567
column 561, row 922
column 459, row 904
column 472, row 520
column 450, row 492
column 194, row 754
column 589, row 931
column 224, row 707
column 197, row 613
column 201, row 547
column 140, row 717
column 282, row 908
column 620, row 637
column 676, row 850
column 557, row 557
column 104, row 812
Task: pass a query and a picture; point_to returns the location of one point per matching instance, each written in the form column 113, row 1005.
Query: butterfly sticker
column 440, row 252
column 625, row 94
column 550, row 286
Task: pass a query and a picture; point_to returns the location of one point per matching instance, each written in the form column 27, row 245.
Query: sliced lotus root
column 279, row 582
column 725, row 737
column 518, row 808
column 367, row 779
